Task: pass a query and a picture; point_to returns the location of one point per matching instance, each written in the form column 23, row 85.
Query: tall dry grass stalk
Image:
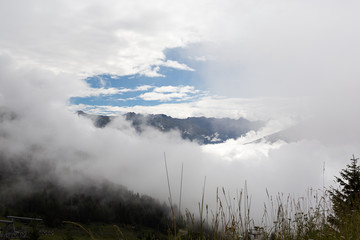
column 232, row 215
column 297, row 218
column 201, row 211
column 170, row 197
column 84, row 229
column 284, row 217
column 119, row 232
column 181, row 184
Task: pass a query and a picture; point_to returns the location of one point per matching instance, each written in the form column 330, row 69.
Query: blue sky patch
column 173, row 85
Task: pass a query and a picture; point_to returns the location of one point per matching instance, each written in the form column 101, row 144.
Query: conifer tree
column 346, row 199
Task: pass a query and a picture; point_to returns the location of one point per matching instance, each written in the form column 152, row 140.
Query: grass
column 99, row 231
column 284, row 217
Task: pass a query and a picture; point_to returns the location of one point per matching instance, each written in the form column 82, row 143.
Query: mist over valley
column 246, row 98
column 198, row 129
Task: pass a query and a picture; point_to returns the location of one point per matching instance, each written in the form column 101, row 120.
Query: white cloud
column 151, row 72
column 234, row 150
column 164, row 89
column 176, row 65
column 202, row 58
column 252, row 109
column 164, row 93
column 285, row 49
column 154, row 96
column 169, row 93
column 176, row 89
column 93, row 92
column 143, row 88
column 93, row 37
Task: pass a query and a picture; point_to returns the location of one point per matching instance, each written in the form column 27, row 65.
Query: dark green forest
column 28, row 190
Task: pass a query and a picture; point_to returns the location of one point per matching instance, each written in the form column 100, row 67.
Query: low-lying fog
column 292, row 51
column 44, row 128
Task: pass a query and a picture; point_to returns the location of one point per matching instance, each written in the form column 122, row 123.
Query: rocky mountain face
column 199, row 129
column 99, row 121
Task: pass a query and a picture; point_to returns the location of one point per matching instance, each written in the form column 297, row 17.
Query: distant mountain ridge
column 199, row 129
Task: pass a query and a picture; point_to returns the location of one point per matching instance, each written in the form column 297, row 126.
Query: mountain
column 99, row 121
column 198, row 129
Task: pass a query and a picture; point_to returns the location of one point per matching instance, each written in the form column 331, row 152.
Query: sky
column 285, row 62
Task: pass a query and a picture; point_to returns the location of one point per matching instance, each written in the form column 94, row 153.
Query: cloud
column 177, row 65
column 201, row 58
column 143, row 88
column 94, row 92
column 46, row 130
column 218, row 107
column 154, row 96
column 286, row 49
column 291, row 58
column 290, row 50
column 90, row 37
column 170, row 93
column 151, row 72
column 163, row 94
column 99, row 91
column 172, row 89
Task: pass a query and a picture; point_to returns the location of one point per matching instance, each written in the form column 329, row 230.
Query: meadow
column 322, row 214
